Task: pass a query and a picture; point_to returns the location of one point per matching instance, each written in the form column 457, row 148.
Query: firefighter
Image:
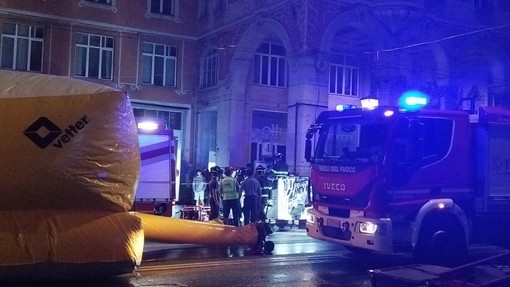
column 266, row 186
column 229, row 189
column 252, row 193
column 279, row 166
column 214, row 196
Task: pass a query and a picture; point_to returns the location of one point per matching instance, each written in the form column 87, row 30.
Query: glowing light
column 148, row 125
column 367, row 227
column 344, row 107
column 413, row 100
column 388, row 113
column 369, row 103
column 441, row 205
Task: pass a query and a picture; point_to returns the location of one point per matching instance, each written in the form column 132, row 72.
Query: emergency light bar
column 344, row 107
column 413, row 100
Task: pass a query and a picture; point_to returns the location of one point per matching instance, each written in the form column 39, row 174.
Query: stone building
column 269, row 67
column 242, row 80
column 147, row 48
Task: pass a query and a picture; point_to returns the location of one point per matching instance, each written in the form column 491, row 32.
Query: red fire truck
column 392, row 180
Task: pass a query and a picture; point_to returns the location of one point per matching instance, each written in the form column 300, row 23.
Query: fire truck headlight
column 372, row 228
column 367, row 227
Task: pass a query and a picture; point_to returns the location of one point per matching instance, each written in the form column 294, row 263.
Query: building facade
column 147, row 48
column 277, row 64
column 242, row 80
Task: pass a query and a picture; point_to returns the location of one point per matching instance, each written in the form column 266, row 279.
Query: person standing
column 252, row 193
column 207, row 177
column 266, row 186
column 199, row 185
column 279, row 165
column 229, row 190
column 214, row 199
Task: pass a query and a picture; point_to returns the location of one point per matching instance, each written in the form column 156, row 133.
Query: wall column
column 308, row 97
column 233, row 141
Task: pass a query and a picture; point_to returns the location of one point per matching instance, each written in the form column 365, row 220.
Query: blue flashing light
column 344, row 107
column 413, row 100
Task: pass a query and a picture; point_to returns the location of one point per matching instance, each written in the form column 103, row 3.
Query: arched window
column 270, row 65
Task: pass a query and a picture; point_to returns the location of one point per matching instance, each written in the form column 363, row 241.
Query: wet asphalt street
column 297, row 260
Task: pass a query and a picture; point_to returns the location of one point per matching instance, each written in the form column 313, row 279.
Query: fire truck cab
column 428, row 181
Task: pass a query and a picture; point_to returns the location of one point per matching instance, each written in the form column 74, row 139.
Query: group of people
column 225, row 188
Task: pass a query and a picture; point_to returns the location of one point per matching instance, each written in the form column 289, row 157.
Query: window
column 351, row 139
column 270, row 65
column 172, row 119
column 22, row 47
column 210, row 69
column 105, row 2
column 268, row 135
column 426, row 139
column 101, row 4
column 343, row 76
column 94, row 56
column 163, row 7
column 159, row 65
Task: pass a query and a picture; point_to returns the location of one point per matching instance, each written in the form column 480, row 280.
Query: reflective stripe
column 229, row 188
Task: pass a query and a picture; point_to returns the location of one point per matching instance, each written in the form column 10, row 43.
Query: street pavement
column 297, row 261
column 287, row 241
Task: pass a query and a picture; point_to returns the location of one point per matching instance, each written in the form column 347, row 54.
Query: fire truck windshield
column 350, row 141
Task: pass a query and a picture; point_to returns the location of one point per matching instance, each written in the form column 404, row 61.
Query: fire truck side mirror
column 308, row 149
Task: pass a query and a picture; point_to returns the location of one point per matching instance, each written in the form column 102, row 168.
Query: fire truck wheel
column 441, row 242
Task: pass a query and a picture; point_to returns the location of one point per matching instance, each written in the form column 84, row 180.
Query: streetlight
column 369, row 103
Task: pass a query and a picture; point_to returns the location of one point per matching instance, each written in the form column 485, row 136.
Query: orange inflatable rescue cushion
column 67, row 144
column 62, row 245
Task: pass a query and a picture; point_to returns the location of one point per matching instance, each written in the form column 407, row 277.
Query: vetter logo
column 34, row 131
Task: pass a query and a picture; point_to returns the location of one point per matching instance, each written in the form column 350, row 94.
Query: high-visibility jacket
column 229, row 188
